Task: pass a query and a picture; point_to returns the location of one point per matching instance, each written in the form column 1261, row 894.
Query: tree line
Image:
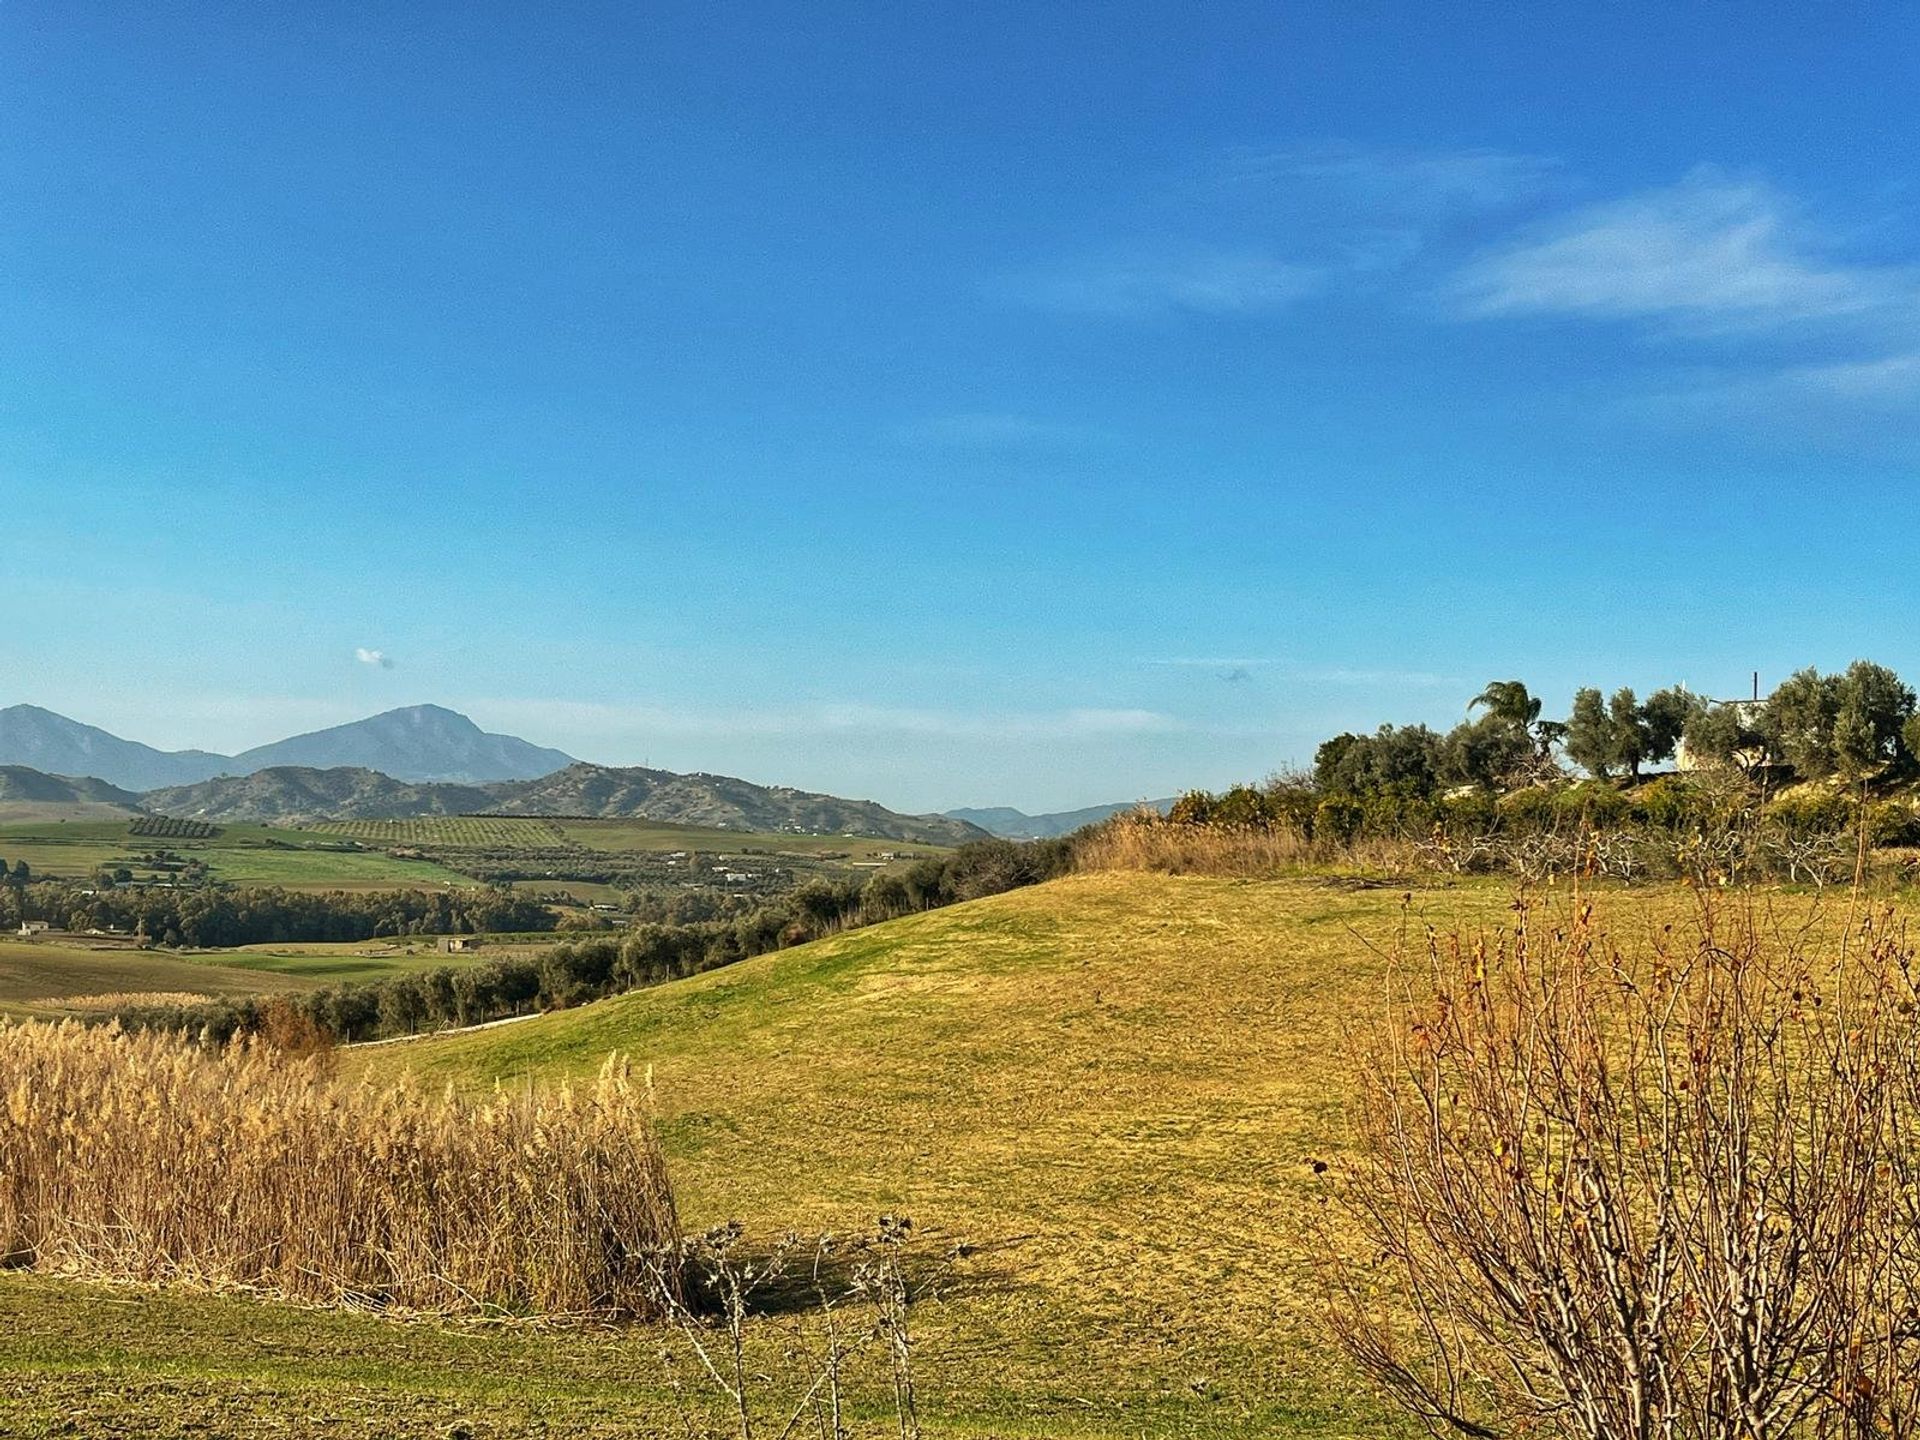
column 1858, row 724
column 221, row 918
column 593, row 967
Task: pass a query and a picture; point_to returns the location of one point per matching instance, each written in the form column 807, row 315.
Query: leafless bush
column 1820, row 860
column 850, row 1296
column 1623, row 1191
column 1469, row 854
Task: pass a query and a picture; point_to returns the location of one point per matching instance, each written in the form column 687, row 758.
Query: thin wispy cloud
column 1852, row 406
column 615, row 721
column 1198, row 282
column 378, row 659
column 1412, row 183
column 1709, row 253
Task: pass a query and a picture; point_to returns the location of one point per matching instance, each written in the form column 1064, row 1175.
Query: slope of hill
column 1111, row 1084
column 720, row 802
column 417, row 743
column 30, row 795
column 1011, row 824
column 55, row 745
column 294, row 794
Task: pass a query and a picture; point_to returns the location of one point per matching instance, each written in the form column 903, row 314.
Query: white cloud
column 1708, row 253
column 1204, row 282
column 379, row 659
column 1892, row 378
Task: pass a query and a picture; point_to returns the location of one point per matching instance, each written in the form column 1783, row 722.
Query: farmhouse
column 34, row 927
column 459, row 944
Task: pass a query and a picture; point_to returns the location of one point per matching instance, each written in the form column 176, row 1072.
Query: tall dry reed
column 143, row 1157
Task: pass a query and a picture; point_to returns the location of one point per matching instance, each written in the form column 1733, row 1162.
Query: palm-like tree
column 1511, row 701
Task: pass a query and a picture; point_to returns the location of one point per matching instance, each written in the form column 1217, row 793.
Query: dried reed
column 143, row 1157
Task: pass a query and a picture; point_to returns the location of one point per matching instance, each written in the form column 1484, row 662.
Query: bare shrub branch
column 1658, row 1189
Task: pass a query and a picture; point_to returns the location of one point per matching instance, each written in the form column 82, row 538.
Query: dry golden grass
column 1148, row 843
column 120, row 999
column 141, row 1157
column 1114, row 1085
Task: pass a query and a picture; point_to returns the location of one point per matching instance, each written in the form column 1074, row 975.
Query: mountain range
column 1011, row 824
column 418, row 743
column 429, row 760
column 289, row 795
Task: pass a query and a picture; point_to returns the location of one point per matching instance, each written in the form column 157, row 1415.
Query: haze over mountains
column 289, row 795
column 417, row 743
column 1011, row 824
column 428, row 760
column 417, row 761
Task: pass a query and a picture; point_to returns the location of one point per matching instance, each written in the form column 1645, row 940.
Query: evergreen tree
column 1589, row 738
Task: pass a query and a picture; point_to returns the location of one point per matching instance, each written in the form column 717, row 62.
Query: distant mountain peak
column 416, row 743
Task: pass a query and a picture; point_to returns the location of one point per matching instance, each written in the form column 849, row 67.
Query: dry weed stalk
column 715, row 1284
column 1624, row 1191
column 143, row 1157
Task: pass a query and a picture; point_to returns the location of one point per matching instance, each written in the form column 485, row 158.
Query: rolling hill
column 290, row 795
column 1113, row 1085
column 31, row 795
column 1110, row 1087
column 720, row 802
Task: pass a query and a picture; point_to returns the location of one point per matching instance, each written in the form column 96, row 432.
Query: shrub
column 1615, row 1187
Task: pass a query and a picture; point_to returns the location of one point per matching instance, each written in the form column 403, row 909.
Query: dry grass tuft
column 1150, row 843
column 144, row 1158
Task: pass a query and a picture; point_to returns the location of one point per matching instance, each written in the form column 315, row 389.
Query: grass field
column 35, row 972
column 239, row 854
column 1113, row 1085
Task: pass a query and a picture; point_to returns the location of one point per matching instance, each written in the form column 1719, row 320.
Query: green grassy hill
column 1112, row 1085
column 1116, row 1083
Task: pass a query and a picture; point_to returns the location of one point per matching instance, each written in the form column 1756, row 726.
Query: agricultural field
column 236, row 854
column 595, row 860
column 477, row 832
column 1112, row 1085
column 45, row 978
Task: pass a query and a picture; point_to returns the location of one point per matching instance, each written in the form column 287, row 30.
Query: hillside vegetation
column 289, row 795
column 1111, row 1084
column 26, row 794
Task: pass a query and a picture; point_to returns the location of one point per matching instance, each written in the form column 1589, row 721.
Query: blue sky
column 976, row 404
